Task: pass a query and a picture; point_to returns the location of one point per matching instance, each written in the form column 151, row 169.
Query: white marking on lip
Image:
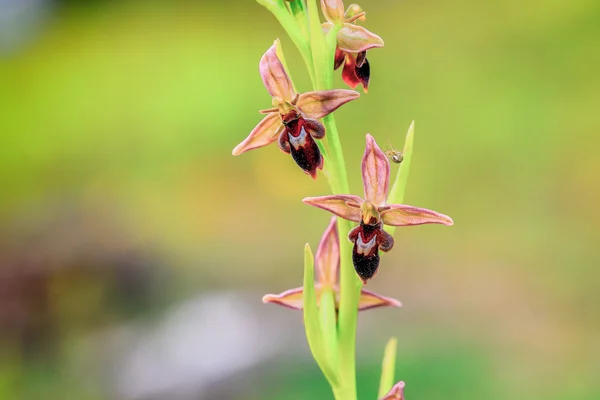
column 299, row 141
column 365, row 248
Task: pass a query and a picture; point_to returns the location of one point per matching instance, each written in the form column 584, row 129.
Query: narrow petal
column 349, row 71
column 319, row 104
column 354, row 39
column 333, row 10
column 396, row 393
column 274, row 77
column 376, row 172
column 370, row 299
column 327, row 259
column 403, row 215
column 326, row 27
column 266, row 132
column 343, row 205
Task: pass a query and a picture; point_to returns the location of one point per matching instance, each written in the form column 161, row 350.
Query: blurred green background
column 134, row 249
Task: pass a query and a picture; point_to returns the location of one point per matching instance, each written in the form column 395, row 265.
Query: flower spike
column 293, row 119
column 372, row 212
column 327, row 263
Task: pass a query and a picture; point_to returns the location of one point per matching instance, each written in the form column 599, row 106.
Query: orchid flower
column 353, row 41
column 372, row 212
column 396, row 392
column 327, row 264
column 293, row 120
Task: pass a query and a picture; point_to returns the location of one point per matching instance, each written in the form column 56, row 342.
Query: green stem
column 323, row 53
column 350, row 287
column 298, row 10
column 318, row 51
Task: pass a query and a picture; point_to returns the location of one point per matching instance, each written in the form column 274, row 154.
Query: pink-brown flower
column 327, row 264
column 372, row 212
column 396, row 392
column 293, row 120
column 353, row 41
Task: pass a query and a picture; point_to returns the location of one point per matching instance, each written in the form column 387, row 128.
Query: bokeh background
column 134, row 249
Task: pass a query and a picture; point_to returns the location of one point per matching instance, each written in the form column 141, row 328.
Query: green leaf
column 328, row 325
column 312, row 323
column 396, row 195
column 290, row 24
column 297, row 9
column 281, row 56
column 388, row 367
column 321, row 54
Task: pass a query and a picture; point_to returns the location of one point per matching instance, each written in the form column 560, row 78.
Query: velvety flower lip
column 327, row 264
column 396, row 392
column 372, row 212
column 353, row 41
column 293, row 119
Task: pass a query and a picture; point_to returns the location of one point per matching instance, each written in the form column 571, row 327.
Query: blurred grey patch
column 21, row 21
column 197, row 344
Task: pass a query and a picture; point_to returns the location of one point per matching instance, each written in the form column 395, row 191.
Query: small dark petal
column 363, row 73
column 340, row 56
column 314, row 128
column 385, row 240
column 284, row 142
column 353, row 234
column 360, row 59
column 349, row 72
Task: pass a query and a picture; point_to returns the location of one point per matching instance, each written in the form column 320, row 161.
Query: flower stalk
column 303, row 125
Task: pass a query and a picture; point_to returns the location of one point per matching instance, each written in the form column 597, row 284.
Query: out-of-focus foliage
column 119, row 197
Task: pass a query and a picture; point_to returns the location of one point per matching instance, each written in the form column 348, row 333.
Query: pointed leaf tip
column 397, row 191
column 388, row 367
